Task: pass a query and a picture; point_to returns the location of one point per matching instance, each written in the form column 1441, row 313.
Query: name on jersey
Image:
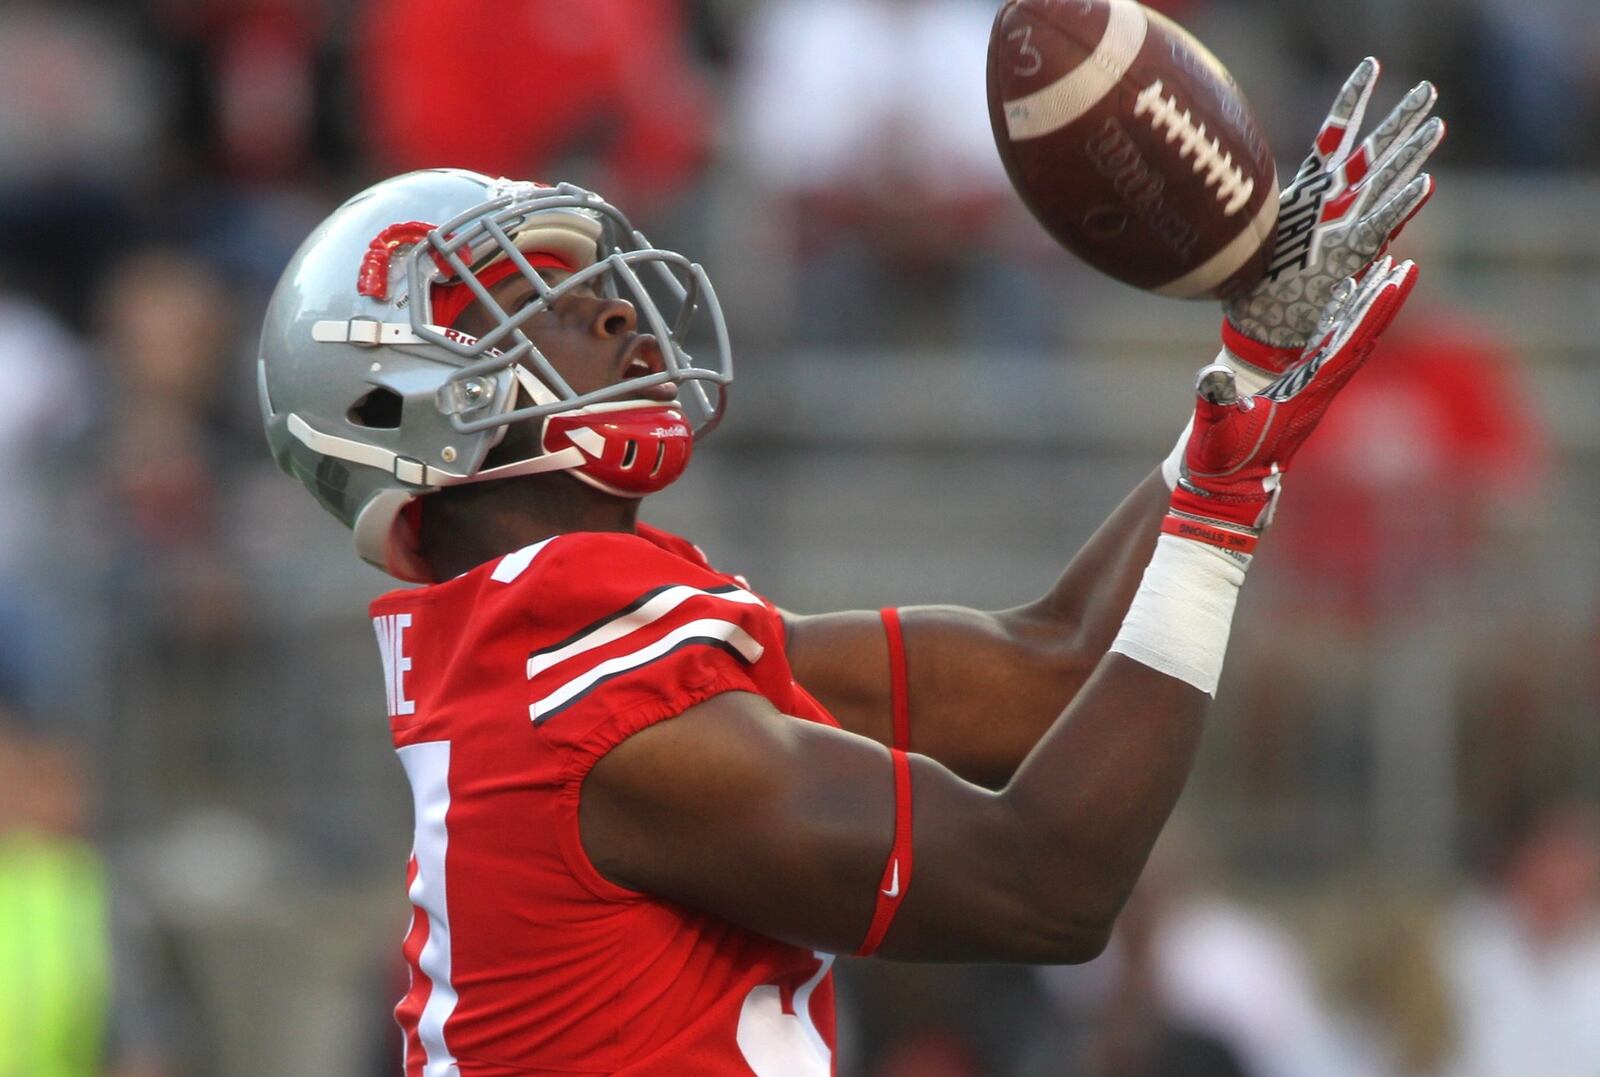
column 391, row 629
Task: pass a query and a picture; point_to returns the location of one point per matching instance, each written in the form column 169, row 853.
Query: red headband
column 450, row 300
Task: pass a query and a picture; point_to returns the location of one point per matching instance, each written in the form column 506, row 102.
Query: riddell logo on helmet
column 467, row 339
column 679, row 431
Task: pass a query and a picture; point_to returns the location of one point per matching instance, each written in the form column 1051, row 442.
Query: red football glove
column 1240, row 446
column 1335, row 220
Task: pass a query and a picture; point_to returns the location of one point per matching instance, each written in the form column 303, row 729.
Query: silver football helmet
column 371, row 403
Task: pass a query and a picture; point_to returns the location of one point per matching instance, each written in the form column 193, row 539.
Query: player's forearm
column 985, row 687
column 1103, row 778
column 1063, row 843
column 1086, row 605
column 1100, row 785
column 1097, row 788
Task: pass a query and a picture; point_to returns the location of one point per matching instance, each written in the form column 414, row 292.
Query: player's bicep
column 843, row 660
column 959, row 664
column 787, row 828
column 983, row 687
column 780, row 825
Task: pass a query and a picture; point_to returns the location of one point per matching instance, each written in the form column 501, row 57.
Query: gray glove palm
column 1343, row 208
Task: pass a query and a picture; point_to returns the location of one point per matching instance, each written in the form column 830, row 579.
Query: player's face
column 592, row 341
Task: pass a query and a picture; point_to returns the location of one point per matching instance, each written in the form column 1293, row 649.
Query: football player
column 649, row 804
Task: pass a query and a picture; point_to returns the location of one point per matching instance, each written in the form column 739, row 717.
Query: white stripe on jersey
column 516, row 563
column 657, row 607
column 427, row 766
column 708, row 630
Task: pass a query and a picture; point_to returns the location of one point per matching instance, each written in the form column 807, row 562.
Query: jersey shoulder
column 620, row 623
column 589, row 571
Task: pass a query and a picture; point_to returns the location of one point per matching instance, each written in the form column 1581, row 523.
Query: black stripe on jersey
column 624, row 611
column 708, row 641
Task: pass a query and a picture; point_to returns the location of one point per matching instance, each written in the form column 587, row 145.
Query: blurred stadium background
column 1388, row 861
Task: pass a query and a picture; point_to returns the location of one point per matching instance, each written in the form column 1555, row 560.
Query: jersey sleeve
column 656, row 651
column 626, row 634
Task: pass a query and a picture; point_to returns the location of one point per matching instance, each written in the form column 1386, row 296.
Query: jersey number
column 779, row 1044
column 427, row 945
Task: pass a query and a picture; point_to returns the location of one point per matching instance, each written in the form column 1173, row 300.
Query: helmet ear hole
column 630, row 454
column 379, row 409
column 661, row 458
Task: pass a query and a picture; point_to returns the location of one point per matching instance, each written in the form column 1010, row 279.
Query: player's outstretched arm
column 800, row 832
column 786, row 827
column 1346, row 203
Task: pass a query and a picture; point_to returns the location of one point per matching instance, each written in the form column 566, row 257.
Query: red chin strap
column 630, row 452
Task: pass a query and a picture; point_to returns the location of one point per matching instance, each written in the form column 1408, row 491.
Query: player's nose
column 615, row 318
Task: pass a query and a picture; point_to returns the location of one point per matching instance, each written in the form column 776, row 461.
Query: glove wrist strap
column 1229, row 537
column 1260, row 362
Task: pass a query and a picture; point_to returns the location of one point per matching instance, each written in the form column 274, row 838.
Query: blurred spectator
column 1531, row 84
column 1523, row 955
column 1193, row 984
column 604, row 93
column 1385, row 511
column 41, row 410
column 76, row 985
column 865, row 122
column 79, row 101
column 1378, row 941
column 900, row 1020
column 174, row 586
column 167, row 331
column 930, row 1054
column 80, row 121
column 246, row 74
column 258, row 145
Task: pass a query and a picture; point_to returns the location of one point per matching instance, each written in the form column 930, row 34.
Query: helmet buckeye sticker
column 373, row 280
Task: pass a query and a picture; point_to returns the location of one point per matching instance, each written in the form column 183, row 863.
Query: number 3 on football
column 1132, row 145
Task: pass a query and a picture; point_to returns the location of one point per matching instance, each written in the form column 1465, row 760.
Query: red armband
column 897, row 873
column 899, row 703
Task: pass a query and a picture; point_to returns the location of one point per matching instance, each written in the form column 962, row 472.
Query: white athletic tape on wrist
column 1181, row 616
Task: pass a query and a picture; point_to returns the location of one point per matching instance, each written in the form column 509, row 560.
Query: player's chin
column 665, row 393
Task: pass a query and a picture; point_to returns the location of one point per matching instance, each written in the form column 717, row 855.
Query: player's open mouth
column 642, row 359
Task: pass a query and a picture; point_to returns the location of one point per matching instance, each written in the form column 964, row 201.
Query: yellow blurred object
column 55, row 956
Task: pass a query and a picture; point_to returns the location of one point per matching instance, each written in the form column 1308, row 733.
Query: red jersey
column 505, row 686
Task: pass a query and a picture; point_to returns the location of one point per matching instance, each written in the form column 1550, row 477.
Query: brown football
column 1132, row 145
